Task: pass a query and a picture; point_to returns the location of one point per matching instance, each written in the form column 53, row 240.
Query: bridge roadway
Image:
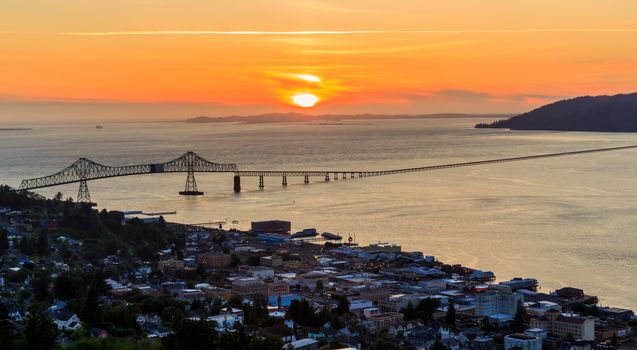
column 423, row 168
column 84, row 169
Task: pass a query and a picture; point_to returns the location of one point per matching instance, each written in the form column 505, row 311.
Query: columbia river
column 567, row 221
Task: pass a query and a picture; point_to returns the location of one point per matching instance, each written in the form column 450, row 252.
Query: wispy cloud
column 380, row 50
column 348, row 32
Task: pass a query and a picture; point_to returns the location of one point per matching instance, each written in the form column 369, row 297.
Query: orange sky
column 172, row 59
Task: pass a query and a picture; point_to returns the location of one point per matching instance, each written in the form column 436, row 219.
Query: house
column 17, row 315
column 148, row 319
column 65, row 321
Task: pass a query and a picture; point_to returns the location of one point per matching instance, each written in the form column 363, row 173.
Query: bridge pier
column 237, row 183
column 327, row 177
column 285, row 181
column 335, row 176
column 306, row 180
column 344, row 177
column 360, row 175
column 261, row 182
column 83, row 195
column 352, row 175
column 191, row 185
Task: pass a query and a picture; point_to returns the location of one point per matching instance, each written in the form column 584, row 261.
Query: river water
column 567, row 221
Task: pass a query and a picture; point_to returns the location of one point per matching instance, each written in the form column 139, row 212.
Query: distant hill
column 616, row 113
column 300, row 117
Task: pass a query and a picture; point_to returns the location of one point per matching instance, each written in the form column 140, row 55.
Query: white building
column 522, row 341
column 536, row 332
column 497, row 302
column 304, row 344
column 226, row 322
column 67, row 322
column 260, row 272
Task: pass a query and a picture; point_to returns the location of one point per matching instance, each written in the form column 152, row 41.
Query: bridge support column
column 83, row 195
column 327, row 177
column 285, row 181
column 261, row 182
column 237, row 183
column 344, row 177
column 306, row 180
column 335, row 176
column 352, row 175
column 360, row 175
column 191, row 185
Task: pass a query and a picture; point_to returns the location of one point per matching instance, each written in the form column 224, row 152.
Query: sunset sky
column 174, row 59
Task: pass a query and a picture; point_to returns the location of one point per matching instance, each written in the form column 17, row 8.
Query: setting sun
column 305, row 100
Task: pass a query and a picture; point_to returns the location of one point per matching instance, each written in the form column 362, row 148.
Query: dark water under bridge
column 84, row 170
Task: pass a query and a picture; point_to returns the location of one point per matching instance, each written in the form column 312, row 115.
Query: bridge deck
column 416, row 169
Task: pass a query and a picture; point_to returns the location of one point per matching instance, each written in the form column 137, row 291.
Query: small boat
column 331, row 236
column 99, row 127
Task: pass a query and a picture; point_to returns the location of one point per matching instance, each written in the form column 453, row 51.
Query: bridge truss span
column 85, row 169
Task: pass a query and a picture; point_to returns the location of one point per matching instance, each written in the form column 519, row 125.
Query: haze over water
column 567, row 221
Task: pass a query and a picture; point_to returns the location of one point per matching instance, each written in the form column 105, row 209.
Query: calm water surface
column 569, row 221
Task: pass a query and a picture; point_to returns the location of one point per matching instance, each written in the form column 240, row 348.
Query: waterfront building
column 497, row 302
column 271, row 226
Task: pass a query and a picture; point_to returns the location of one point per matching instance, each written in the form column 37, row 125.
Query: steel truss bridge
column 84, row 170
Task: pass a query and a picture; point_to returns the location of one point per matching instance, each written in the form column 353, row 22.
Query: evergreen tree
column 26, row 246
column 7, row 336
column 40, row 287
column 426, row 307
column 90, row 311
column 450, row 318
column 521, row 320
column 485, row 324
column 384, row 342
column 39, row 331
column 437, row 345
column 43, row 244
column 343, row 306
column 4, row 241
